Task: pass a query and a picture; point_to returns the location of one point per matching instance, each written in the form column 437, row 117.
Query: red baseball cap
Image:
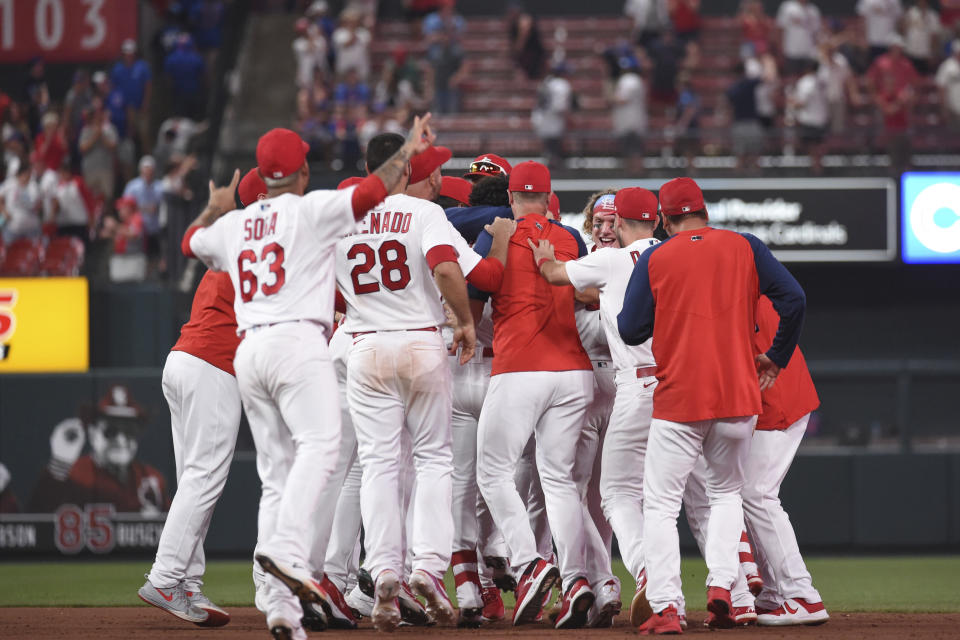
column 251, row 187
column 128, row 201
column 680, row 196
column 488, row 164
column 425, row 163
column 280, row 153
column 605, row 204
column 635, row 203
column 349, row 182
column 531, row 177
column 553, row 206
column 456, row 188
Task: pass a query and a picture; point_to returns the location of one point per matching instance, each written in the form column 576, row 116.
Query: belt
column 260, row 327
column 363, row 333
column 644, row 372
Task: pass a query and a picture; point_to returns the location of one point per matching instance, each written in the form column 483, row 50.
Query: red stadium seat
column 64, row 257
column 23, row 258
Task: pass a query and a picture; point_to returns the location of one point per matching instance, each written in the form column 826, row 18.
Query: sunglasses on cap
column 485, row 166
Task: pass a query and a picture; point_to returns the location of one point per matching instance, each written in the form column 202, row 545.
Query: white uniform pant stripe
column 552, row 406
column 672, row 452
column 777, row 553
column 205, row 415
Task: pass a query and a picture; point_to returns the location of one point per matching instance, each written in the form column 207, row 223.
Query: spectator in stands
column 892, row 67
column 839, row 84
column 764, row 69
column 206, row 18
column 948, row 82
column 36, row 94
column 132, row 77
column 98, row 149
column 310, row 50
column 949, row 13
column 128, row 262
column 402, row 82
column 14, row 148
column 687, row 127
column 554, row 103
column 921, row 34
column 811, row 111
column 894, row 100
column 382, row 121
column 20, row 206
column 119, row 110
column 420, row 8
column 78, row 100
column 46, row 181
column 650, row 18
column 175, row 137
column 50, row 143
column 147, row 191
column 665, row 55
column 756, row 27
column 526, row 45
column 880, row 18
column 176, row 211
column 442, row 30
column 185, row 70
column 351, row 91
column 852, row 43
column 685, row 18
column 745, row 130
column 351, row 42
column 801, row 25
column 74, row 205
column 630, row 114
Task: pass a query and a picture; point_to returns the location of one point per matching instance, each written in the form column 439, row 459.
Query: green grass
column 901, row 584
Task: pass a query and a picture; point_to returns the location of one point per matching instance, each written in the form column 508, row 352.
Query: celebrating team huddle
column 480, row 392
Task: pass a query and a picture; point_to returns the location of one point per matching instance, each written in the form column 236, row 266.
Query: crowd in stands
column 91, row 164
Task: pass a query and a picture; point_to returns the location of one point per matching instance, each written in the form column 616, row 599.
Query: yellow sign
column 44, row 325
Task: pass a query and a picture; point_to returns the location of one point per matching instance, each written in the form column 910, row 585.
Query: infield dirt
column 142, row 622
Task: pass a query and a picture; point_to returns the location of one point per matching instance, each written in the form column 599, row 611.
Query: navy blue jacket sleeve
column 787, row 297
column 581, row 245
column 470, row 221
column 482, row 247
column 635, row 321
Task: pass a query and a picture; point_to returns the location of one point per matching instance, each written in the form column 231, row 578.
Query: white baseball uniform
column 398, row 378
column 624, row 446
column 279, row 253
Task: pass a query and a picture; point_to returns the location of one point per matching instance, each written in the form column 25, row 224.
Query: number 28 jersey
column 385, row 270
column 279, row 253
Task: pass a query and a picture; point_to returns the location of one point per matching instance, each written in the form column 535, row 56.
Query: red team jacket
column 211, row 333
column 793, row 395
column 696, row 294
column 534, row 328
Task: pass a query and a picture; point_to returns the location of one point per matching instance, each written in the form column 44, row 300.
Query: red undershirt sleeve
column 487, row 275
column 440, row 253
column 368, row 194
column 339, row 304
column 185, row 244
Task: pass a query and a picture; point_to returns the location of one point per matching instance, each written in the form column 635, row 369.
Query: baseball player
column 696, row 295
column 541, row 384
column 279, row 253
column 200, row 387
column 622, row 460
column 425, row 179
column 599, row 216
column 788, row 596
column 398, row 380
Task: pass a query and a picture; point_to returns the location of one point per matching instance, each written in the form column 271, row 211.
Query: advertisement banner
column 44, row 325
column 65, row 30
column 930, row 216
column 800, row 219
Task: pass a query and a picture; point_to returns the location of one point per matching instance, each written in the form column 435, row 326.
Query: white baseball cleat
column 433, row 591
column 794, row 611
column 360, row 602
column 607, row 605
column 386, row 610
column 297, row 579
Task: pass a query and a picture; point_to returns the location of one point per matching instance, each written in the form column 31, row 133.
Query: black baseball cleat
column 501, row 573
column 314, row 617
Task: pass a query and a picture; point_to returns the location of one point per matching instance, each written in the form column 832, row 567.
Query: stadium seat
column 63, row 257
column 22, row 259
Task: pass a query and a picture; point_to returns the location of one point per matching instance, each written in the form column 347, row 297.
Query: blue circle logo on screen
column 935, row 217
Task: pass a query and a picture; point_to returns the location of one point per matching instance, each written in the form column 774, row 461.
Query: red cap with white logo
column 280, row 153
column 531, row 177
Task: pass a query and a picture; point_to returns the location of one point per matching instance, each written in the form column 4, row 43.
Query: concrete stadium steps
column 265, row 84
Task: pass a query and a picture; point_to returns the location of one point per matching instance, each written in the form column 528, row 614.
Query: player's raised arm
column 220, row 202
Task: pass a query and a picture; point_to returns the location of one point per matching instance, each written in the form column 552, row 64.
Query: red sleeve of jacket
column 487, row 275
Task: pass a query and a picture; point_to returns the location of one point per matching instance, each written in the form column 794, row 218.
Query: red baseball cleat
column 575, row 605
column 665, row 623
column 536, row 580
column 718, row 604
column 492, row 604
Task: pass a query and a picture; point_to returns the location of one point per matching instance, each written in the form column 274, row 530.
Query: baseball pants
column 399, row 381
column 288, row 387
column 778, row 556
column 527, row 480
column 696, row 505
column 622, row 466
column 550, row 405
column 587, row 471
column 672, row 452
column 204, row 406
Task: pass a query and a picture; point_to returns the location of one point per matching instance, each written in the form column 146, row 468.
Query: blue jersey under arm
column 482, row 247
column 787, row 297
column 470, row 221
column 635, row 321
